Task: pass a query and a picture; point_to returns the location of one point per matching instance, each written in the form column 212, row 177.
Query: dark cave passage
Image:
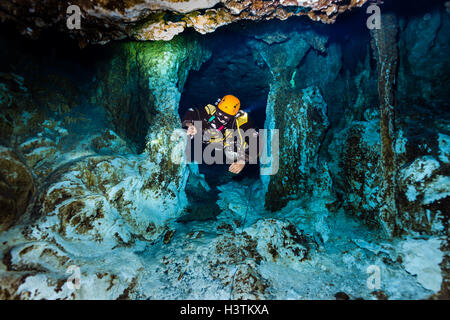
column 231, row 71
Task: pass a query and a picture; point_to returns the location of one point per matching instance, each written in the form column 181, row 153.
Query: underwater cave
column 353, row 183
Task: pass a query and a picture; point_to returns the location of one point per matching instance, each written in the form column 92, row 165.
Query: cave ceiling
column 104, row 20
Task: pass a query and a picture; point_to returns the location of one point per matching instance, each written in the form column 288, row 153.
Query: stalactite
column 384, row 43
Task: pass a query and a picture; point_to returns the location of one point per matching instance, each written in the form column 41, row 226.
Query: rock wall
column 366, row 158
column 421, row 98
column 79, row 193
column 146, row 79
column 413, row 143
column 153, row 75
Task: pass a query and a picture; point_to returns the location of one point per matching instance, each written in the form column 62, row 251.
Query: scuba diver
column 223, row 125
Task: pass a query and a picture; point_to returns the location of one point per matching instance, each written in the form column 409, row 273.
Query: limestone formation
column 103, row 21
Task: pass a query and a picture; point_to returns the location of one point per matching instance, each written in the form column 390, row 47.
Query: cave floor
column 301, row 252
column 241, row 255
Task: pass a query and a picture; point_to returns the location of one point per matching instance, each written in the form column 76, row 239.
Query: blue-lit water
column 86, row 174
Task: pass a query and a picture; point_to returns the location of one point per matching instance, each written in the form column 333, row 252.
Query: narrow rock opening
column 232, row 69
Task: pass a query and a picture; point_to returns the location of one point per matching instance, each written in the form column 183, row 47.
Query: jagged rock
column 247, row 284
column 155, row 74
column 278, row 241
column 424, row 192
column 272, row 37
column 160, row 20
column 106, row 193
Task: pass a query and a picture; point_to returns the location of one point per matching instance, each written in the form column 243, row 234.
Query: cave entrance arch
column 233, row 71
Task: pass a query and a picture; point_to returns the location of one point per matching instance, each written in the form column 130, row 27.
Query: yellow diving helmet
column 230, row 105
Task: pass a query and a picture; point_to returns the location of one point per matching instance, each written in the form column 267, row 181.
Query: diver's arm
column 237, row 156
